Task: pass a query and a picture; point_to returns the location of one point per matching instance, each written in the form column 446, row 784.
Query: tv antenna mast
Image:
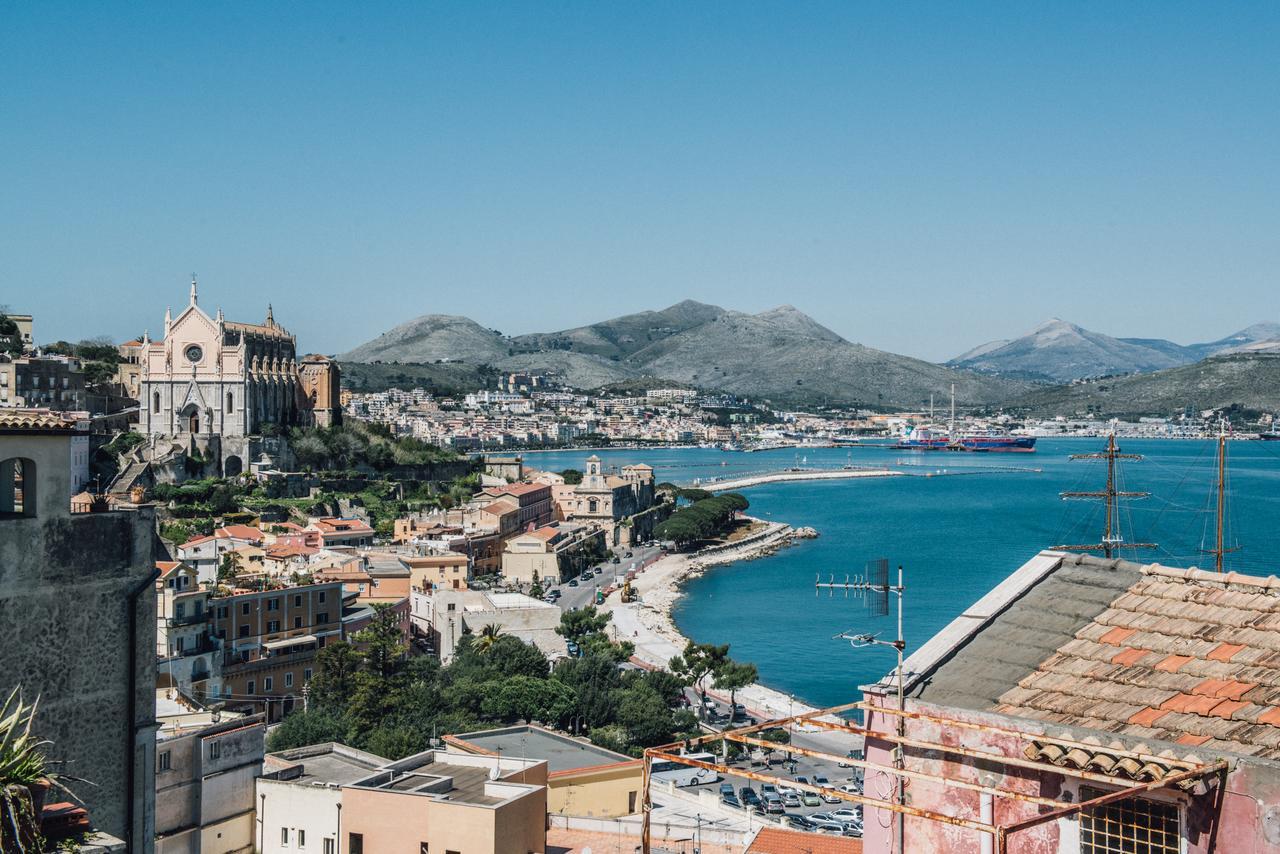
column 1112, row 540
column 875, row 588
column 1220, row 549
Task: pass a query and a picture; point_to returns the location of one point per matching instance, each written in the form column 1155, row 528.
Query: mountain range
column 781, row 354
column 787, row 357
column 1058, row 352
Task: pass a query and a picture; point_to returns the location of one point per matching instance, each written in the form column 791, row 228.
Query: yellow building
column 448, row 571
column 582, row 779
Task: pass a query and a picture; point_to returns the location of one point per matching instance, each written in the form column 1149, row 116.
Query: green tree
column 645, row 716
column 733, row 676
column 535, row 589
column 594, row 680
column 381, row 642
column 529, row 698
column 333, row 683
column 696, row 663
column 572, row 477
column 582, row 624
column 228, row 567
column 300, row 729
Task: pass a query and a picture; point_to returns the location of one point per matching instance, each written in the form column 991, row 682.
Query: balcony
column 187, row 620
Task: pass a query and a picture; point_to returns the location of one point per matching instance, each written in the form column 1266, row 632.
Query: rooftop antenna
column 875, row 588
column 1112, row 540
column 1220, row 548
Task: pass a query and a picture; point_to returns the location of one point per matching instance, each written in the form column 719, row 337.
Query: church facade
column 210, row 384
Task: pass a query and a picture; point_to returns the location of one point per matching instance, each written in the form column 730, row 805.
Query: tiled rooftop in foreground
column 1146, row 651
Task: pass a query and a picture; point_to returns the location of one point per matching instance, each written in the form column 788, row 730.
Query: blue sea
column 956, row 537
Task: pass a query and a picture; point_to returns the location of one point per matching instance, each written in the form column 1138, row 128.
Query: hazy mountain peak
column 1060, row 351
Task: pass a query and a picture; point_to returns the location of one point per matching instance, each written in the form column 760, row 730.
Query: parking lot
column 819, row 772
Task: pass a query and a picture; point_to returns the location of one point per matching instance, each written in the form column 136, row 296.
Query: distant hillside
column 442, row 379
column 431, row 338
column 786, row 356
column 621, row 337
column 782, row 354
column 1058, row 351
column 1252, row 381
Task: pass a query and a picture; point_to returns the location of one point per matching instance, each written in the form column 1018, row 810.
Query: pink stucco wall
column 1250, row 808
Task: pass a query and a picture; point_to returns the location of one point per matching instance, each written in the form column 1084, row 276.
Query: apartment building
column 331, row 799
column 188, row 656
column 206, row 764
column 270, row 639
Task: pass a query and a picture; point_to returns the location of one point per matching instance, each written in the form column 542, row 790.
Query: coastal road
column 585, row 593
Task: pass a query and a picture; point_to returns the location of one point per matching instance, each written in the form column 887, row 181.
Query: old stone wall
column 64, row 637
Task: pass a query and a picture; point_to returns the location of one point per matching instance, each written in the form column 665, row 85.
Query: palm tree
column 488, row 638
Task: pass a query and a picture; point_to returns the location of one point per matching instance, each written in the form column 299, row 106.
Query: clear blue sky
column 918, row 177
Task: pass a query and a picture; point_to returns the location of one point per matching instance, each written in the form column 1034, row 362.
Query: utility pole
column 877, row 583
column 1112, row 540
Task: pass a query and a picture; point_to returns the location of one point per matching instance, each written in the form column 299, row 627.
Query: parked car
column 588, row 575
column 730, row 800
column 797, row 821
column 847, row 814
column 792, row 800
column 852, row 754
column 726, row 788
column 773, row 805
column 826, row 796
column 573, row 582
column 834, row 828
column 767, row 789
column 810, row 799
column 851, row 788
column 748, row 795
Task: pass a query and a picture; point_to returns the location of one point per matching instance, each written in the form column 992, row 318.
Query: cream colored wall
column 520, row 566
column 596, row 794
column 234, row 834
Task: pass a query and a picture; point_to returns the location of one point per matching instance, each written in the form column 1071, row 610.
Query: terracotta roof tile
column 774, row 840
column 1227, row 708
column 1193, row 740
column 1147, row 716
column 1226, row 651
column 1116, row 636
column 1271, row 716
column 1128, row 655
column 1173, row 663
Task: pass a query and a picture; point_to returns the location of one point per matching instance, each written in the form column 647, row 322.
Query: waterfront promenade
column 745, row 481
column 649, row 626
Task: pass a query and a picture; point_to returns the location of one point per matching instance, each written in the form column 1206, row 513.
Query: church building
column 210, row 384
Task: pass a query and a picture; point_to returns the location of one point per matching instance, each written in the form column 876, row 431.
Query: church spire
column 219, row 317
column 271, row 320
column 193, row 288
column 168, row 320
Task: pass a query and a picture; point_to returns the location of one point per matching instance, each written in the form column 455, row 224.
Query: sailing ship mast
column 1220, row 549
column 1112, row 540
column 951, row 425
